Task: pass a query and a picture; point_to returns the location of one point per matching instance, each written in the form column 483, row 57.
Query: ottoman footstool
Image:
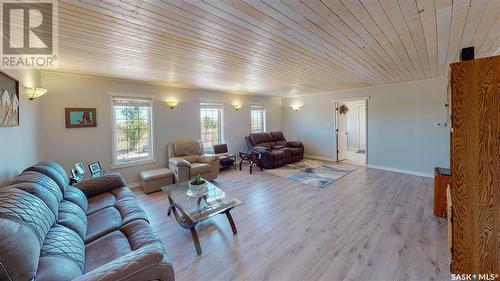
column 153, row 180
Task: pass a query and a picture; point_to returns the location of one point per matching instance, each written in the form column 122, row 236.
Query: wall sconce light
column 171, row 104
column 237, row 106
column 34, row 93
column 296, row 107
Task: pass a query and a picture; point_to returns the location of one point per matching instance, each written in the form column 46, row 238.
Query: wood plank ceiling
column 274, row 47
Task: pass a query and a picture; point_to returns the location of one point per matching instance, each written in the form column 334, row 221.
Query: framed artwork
column 9, row 101
column 80, row 117
column 95, row 168
column 79, row 168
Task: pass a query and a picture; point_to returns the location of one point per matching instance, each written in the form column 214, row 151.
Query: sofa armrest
column 147, row 263
column 294, row 144
column 101, row 184
column 208, row 158
column 179, row 162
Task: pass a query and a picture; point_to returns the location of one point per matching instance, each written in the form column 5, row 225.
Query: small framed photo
column 74, row 174
column 80, row 117
column 95, row 168
column 79, row 169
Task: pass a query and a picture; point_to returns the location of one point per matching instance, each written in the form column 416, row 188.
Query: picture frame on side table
column 74, row 174
column 80, row 117
column 95, row 168
column 79, row 169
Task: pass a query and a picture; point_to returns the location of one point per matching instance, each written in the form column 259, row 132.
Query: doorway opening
column 351, row 131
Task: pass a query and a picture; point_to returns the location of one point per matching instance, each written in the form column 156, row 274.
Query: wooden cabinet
column 475, row 166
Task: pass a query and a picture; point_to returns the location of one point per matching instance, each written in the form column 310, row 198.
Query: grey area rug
column 313, row 172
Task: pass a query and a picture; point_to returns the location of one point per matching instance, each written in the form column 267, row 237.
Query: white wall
column 19, row 145
column 87, row 145
column 401, row 131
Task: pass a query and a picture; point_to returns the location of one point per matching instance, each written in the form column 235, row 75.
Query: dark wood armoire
column 474, row 195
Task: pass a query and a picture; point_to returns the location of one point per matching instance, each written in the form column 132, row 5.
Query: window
column 211, row 124
column 258, row 118
column 132, row 130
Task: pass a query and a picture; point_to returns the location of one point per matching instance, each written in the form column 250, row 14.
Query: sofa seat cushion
column 112, row 218
column 278, row 154
column 281, row 142
column 107, row 199
column 191, row 158
column 72, row 217
column 62, row 255
column 296, row 150
column 265, row 145
column 200, row 168
column 129, row 237
column 76, row 196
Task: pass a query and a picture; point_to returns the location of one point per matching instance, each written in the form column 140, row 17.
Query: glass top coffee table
column 189, row 211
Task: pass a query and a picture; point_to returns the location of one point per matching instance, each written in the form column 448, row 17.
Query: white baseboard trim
column 402, row 171
column 134, row 185
column 319, row 158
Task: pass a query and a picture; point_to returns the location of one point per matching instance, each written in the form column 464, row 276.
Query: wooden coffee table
column 189, row 211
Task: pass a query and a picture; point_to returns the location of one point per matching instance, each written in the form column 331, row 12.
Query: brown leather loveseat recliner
column 274, row 149
column 50, row 230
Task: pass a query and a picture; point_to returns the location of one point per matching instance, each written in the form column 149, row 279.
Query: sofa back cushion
column 25, row 221
column 257, row 138
column 41, row 186
column 54, row 171
column 268, row 140
column 185, row 148
column 278, row 136
column 269, row 137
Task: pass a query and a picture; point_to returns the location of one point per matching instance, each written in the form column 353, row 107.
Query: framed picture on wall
column 9, row 101
column 80, row 117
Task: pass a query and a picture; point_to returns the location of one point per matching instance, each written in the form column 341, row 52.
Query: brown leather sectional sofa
column 274, row 149
column 50, row 230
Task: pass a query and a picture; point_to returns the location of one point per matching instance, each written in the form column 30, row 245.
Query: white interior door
column 341, row 135
column 362, row 126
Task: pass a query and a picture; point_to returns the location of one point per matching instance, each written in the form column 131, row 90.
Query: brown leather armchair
column 187, row 159
column 275, row 150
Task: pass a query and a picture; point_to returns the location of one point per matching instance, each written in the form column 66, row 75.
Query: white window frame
column 220, row 108
column 141, row 161
column 258, row 108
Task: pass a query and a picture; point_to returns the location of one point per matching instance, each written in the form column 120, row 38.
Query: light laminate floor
column 369, row 225
column 352, row 157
